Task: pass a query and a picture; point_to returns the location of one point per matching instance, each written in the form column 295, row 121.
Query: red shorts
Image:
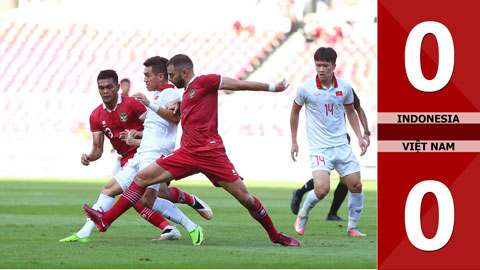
column 214, row 164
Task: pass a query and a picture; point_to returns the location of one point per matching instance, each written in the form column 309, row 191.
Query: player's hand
column 85, row 160
column 363, row 145
column 136, row 134
column 367, row 139
column 294, row 151
column 129, row 139
column 142, row 98
column 281, row 86
column 123, row 135
column 174, row 106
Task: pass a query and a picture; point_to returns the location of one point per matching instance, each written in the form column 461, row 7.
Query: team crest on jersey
column 123, row 117
column 192, row 93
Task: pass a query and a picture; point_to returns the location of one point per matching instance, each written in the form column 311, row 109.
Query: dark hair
column 158, row 64
column 325, row 54
column 125, row 80
column 181, row 61
column 108, row 74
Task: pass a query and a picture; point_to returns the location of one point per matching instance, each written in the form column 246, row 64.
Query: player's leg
column 349, row 170
column 178, row 162
column 321, row 179
column 298, row 195
column 322, row 163
column 146, row 177
column 143, row 207
column 179, row 196
column 104, row 203
column 338, row 197
column 257, row 211
column 355, row 203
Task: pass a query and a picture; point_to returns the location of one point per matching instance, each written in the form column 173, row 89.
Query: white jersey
column 159, row 135
column 325, row 112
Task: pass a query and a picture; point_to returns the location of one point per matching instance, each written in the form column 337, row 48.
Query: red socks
column 178, row 196
column 151, row 216
column 260, row 214
column 128, row 199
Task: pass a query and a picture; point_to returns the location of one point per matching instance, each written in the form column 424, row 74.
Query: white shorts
column 340, row 158
column 140, row 161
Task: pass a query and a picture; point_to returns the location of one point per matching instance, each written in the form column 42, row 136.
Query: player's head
column 125, row 86
column 325, row 59
column 179, row 68
column 107, row 81
column 155, row 72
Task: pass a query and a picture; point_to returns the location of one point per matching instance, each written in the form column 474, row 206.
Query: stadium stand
column 48, row 64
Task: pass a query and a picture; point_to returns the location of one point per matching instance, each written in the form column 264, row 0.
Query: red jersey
column 199, row 109
column 126, row 115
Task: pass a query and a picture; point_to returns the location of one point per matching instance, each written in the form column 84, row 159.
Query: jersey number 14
column 328, row 108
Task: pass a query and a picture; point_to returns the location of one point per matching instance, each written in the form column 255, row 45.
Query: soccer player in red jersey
column 115, row 115
column 201, row 150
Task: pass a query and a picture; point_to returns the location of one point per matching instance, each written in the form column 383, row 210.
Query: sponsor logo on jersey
column 123, row 117
column 192, row 93
column 339, row 93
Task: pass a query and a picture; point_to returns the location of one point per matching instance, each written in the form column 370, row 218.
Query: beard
column 180, row 83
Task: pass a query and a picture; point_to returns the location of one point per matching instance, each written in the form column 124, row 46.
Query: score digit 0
column 446, row 209
column 446, row 56
column 446, row 215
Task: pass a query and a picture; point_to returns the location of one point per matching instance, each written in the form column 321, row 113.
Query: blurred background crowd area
column 52, row 50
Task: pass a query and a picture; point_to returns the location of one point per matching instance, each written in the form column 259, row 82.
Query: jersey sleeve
column 212, row 82
column 300, row 98
column 137, row 108
column 356, row 100
column 348, row 95
column 94, row 125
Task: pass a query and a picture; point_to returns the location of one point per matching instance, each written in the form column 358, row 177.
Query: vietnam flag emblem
column 339, row 93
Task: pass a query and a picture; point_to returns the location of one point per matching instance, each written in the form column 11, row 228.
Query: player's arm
column 239, row 85
column 166, row 114
column 294, row 116
column 364, row 122
column 97, row 149
column 353, row 120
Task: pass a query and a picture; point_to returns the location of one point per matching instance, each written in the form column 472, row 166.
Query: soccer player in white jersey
column 158, row 139
column 327, row 99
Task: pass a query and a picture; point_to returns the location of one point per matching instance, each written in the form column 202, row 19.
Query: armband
column 271, row 87
column 153, row 106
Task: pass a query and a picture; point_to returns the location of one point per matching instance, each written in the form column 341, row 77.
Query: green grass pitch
column 35, row 214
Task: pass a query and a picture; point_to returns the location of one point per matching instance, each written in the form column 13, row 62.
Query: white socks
column 310, row 201
column 104, row 203
column 355, row 206
column 168, row 210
